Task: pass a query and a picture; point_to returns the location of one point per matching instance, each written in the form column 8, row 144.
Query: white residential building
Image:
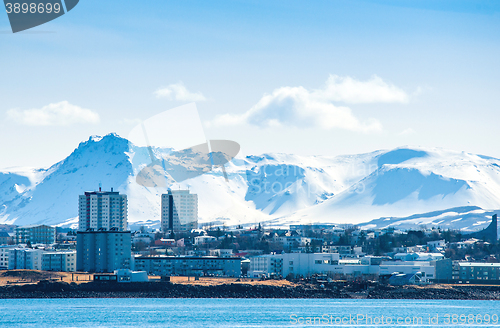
column 102, row 210
column 142, row 237
column 221, row 252
column 179, row 211
column 297, row 264
column 266, row 265
column 4, row 256
column 419, row 256
column 59, row 261
column 25, row 258
column 290, row 241
column 306, row 264
column 436, row 244
column 204, row 239
column 36, row 234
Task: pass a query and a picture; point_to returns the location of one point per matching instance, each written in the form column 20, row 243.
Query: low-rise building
column 165, row 242
column 204, row 239
column 221, row 252
column 59, row 261
column 343, row 250
column 25, row 258
column 266, row 265
column 5, row 238
column 189, row 266
column 428, row 271
column 125, row 275
column 418, row 256
column 436, row 244
column 36, row 234
column 296, row 264
column 4, row 256
column 142, row 237
column 478, row 271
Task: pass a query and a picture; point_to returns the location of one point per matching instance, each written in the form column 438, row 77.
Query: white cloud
column 179, row 92
column 407, row 132
column 61, row 113
column 297, row 106
column 351, row 91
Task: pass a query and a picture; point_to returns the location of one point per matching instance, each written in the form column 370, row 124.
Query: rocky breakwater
column 435, row 292
column 45, row 289
column 57, row 289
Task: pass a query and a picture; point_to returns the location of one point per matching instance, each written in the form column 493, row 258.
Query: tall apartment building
column 102, row 242
column 102, row 210
column 36, row 234
column 179, row 211
column 103, row 251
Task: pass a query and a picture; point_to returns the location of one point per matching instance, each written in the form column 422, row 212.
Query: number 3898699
column 32, row 8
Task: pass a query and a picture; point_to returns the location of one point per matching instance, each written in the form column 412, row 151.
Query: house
column 204, row 240
column 399, row 279
column 436, row 245
column 165, row 242
column 221, row 252
column 426, row 269
column 5, row 238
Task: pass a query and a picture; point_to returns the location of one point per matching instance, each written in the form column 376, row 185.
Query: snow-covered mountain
column 277, row 189
column 467, row 218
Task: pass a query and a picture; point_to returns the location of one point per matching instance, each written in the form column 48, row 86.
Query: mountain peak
column 110, row 142
column 109, row 136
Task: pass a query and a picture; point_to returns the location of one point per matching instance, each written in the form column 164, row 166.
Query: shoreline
column 56, row 289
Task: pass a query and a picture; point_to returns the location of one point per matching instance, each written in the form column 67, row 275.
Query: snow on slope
column 278, row 189
column 52, row 197
column 430, row 180
column 467, row 218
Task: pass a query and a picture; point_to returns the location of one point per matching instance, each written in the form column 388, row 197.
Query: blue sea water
column 147, row 312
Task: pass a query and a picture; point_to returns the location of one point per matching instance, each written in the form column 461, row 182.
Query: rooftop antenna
column 100, row 185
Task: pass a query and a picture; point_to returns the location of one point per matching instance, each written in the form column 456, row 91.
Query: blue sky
column 437, row 61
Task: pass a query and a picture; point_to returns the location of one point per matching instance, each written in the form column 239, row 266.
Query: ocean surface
column 147, row 312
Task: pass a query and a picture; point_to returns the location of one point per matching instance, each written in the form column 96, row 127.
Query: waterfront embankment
column 58, row 289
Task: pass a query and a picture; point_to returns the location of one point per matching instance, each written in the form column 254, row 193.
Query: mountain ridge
column 273, row 188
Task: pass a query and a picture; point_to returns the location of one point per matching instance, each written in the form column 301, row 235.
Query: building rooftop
column 470, row 264
column 33, row 226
